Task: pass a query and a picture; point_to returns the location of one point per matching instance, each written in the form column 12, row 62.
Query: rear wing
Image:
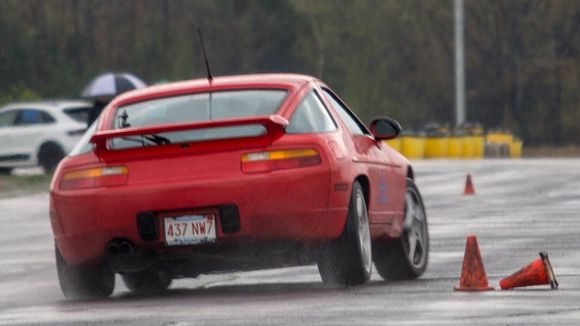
column 272, row 123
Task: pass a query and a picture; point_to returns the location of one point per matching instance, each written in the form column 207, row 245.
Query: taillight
column 95, row 177
column 279, row 160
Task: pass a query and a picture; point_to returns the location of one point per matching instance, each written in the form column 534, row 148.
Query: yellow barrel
column 473, row 142
column 499, row 137
column 454, row 147
column 503, row 141
column 478, row 146
column 436, row 146
column 413, row 147
column 516, row 148
column 395, row 143
column 468, row 149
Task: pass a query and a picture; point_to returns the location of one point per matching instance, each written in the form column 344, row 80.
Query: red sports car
column 234, row 173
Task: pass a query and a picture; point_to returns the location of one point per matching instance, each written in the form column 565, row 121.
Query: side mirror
column 385, row 128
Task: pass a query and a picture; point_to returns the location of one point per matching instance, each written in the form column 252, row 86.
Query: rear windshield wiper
column 159, row 140
column 153, row 138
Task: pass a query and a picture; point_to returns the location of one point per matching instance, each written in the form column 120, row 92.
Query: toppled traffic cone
column 539, row 272
column 469, row 189
column 473, row 277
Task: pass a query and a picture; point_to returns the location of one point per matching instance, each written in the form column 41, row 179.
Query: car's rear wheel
column 6, row 170
column 84, row 282
column 49, row 156
column 406, row 258
column 348, row 261
column 147, row 281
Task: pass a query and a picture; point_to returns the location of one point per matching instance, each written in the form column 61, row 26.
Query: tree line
column 384, row 57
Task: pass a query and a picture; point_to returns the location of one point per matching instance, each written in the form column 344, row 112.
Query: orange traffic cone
column 473, row 277
column 469, row 189
column 539, row 272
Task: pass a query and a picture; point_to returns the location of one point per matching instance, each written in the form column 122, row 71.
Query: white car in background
column 40, row 133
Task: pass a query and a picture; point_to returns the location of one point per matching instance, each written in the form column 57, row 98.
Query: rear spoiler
column 271, row 122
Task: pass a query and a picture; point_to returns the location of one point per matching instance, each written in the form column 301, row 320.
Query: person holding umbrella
column 105, row 87
column 98, row 106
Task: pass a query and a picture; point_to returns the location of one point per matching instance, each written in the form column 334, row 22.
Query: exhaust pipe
column 113, row 248
column 121, row 256
column 126, row 248
column 120, row 247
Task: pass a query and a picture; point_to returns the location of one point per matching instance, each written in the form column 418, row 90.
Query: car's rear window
column 199, row 107
column 79, row 114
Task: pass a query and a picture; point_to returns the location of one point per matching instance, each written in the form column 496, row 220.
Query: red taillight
column 279, row 160
column 95, row 177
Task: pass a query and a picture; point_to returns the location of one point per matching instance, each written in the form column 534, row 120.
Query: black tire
column 147, row 281
column 49, row 156
column 84, row 282
column 6, row 170
column 393, row 259
column 348, row 261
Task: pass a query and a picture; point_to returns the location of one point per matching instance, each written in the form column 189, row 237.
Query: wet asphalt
column 520, row 207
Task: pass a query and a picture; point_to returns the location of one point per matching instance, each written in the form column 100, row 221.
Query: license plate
column 189, row 229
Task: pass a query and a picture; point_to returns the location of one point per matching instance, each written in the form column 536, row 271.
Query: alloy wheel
column 415, row 229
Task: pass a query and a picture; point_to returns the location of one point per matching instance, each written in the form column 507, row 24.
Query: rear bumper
column 192, row 261
column 283, row 205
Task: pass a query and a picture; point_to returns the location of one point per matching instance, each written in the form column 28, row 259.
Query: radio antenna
column 209, row 76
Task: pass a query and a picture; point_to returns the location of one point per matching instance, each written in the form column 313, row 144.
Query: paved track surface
column 520, row 208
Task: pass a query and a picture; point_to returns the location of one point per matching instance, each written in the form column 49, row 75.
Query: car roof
column 290, row 81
